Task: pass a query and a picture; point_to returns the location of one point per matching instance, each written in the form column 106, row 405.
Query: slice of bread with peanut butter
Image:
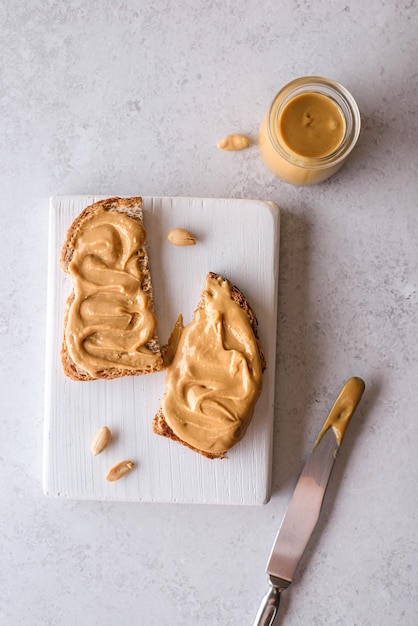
column 215, row 376
column 109, row 321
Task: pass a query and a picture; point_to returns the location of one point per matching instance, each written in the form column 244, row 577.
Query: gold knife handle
column 269, row 607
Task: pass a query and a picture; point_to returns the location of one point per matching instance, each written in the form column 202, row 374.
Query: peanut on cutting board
column 119, row 470
column 101, row 440
column 234, row 142
column 99, row 443
column 181, row 237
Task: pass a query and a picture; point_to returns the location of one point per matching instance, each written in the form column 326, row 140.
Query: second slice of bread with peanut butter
column 215, row 376
column 109, row 321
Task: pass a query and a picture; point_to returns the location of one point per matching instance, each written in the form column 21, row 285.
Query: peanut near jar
column 309, row 130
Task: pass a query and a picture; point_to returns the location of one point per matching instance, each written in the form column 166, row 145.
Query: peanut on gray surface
column 234, row 142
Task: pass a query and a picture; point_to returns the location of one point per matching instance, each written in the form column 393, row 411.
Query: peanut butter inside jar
column 309, row 130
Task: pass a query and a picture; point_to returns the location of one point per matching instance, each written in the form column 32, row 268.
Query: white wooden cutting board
column 238, row 239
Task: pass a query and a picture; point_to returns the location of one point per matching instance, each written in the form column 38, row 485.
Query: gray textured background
column 130, row 98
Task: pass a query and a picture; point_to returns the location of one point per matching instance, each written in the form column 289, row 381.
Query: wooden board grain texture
column 238, row 239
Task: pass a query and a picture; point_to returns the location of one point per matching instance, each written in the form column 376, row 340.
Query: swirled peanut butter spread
column 215, row 377
column 110, row 319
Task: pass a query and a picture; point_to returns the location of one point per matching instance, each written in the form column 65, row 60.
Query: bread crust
column 133, row 208
column 159, row 424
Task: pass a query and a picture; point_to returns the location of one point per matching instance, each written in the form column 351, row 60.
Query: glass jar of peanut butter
column 309, row 130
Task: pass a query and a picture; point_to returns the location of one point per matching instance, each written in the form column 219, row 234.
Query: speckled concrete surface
column 131, row 98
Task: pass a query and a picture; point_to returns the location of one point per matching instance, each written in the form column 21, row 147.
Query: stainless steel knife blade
column 305, row 505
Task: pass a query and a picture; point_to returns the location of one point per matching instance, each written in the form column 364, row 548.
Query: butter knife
column 305, row 505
